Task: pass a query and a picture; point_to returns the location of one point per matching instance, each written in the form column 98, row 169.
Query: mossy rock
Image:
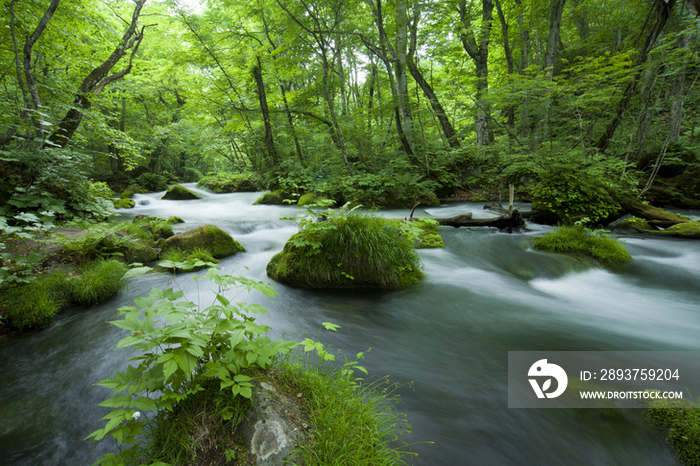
column 357, row 251
column 129, row 192
column 123, row 203
column 681, row 418
column 175, row 219
column 271, row 198
column 142, row 218
column 212, row 238
column 580, row 241
column 635, row 223
column 179, row 193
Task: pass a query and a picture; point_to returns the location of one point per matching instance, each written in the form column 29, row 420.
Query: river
column 446, row 340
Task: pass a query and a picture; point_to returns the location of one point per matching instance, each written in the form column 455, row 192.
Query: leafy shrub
column 580, row 240
column 196, row 259
column 55, row 181
column 152, row 182
column 97, row 281
column 195, row 348
column 229, row 183
column 110, row 241
column 349, row 249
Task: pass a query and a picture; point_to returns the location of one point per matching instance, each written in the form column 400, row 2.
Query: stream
column 445, row 340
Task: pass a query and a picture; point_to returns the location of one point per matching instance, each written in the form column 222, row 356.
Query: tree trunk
column 262, row 99
column 440, row 113
column 663, row 12
column 510, row 109
column 95, row 82
column 508, row 221
column 479, row 53
column 555, row 13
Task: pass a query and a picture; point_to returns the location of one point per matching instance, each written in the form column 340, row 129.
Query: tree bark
column 555, row 13
column 262, row 99
column 479, row 53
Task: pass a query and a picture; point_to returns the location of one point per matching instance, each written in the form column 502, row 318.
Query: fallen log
column 511, row 221
column 654, row 215
column 497, row 208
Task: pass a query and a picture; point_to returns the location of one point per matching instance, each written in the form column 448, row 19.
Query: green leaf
column 169, row 368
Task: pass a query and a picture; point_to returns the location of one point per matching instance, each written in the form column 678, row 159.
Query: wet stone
column 274, row 426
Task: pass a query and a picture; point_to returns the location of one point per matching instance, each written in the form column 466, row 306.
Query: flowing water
column 484, row 294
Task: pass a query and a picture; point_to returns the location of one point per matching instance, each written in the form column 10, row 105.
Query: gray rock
column 274, row 426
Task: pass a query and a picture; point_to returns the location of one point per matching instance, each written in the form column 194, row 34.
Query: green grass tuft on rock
column 97, row 281
column 35, row 304
column 578, row 240
column 357, row 250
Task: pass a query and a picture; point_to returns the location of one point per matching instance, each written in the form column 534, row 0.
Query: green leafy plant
column 175, row 361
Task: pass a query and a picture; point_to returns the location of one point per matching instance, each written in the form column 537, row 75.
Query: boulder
column 212, row 238
column 356, row 251
column 271, row 198
column 179, row 193
column 273, row 426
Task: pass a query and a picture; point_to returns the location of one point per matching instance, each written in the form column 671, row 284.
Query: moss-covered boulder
column 580, row 241
column 179, row 193
column 123, row 203
column 175, row 219
column 212, row 238
column 357, row 250
column 129, row 192
column 271, row 198
column 681, row 420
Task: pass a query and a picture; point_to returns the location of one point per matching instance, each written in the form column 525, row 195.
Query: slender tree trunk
column 524, row 64
column 402, row 111
column 555, row 14
column 262, row 99
column 400, row 56
column 287, row 110
column 663, row 10
column 438, row 110
column 510, row 109
column 479, row 54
